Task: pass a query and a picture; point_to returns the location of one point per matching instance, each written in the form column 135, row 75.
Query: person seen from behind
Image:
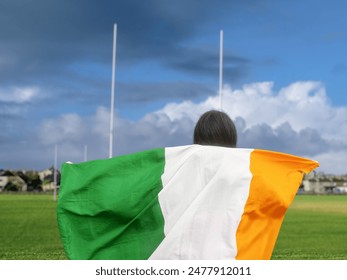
column 215, row 128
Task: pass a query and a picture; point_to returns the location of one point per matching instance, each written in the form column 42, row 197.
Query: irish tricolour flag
column 188, row 202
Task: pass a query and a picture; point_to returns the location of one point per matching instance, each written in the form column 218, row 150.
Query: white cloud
column 301, row 104
column 333, row 162
column 68, row 127
column 19, row 94
column 297, row 119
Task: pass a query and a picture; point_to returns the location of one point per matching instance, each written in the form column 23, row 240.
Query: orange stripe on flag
column 276, row 178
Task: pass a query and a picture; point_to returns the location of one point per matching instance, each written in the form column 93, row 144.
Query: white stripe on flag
column 197, row 198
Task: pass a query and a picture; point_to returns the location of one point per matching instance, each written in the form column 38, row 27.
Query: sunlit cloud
column 296, row 119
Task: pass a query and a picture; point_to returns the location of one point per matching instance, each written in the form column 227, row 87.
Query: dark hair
column 215, row 128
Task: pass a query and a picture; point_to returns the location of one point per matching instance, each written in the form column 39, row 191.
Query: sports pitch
column 315, row 227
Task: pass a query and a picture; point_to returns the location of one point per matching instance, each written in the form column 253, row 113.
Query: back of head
column 215, row 128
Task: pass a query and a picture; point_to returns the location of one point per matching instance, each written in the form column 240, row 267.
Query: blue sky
column 284, row 76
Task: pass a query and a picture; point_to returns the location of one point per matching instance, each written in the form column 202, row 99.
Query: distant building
column 28, row 180
column 322, row 183
column 10, row 181
column 47, row 178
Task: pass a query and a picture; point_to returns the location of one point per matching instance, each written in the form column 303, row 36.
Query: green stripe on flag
column 109, row 209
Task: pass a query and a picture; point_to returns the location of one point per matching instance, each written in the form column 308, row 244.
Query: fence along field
column 314, row 228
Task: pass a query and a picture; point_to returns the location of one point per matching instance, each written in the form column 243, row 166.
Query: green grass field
column 315, row 227
column 28, row 228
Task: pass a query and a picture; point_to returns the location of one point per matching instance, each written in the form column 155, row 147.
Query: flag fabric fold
column 187, row 202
